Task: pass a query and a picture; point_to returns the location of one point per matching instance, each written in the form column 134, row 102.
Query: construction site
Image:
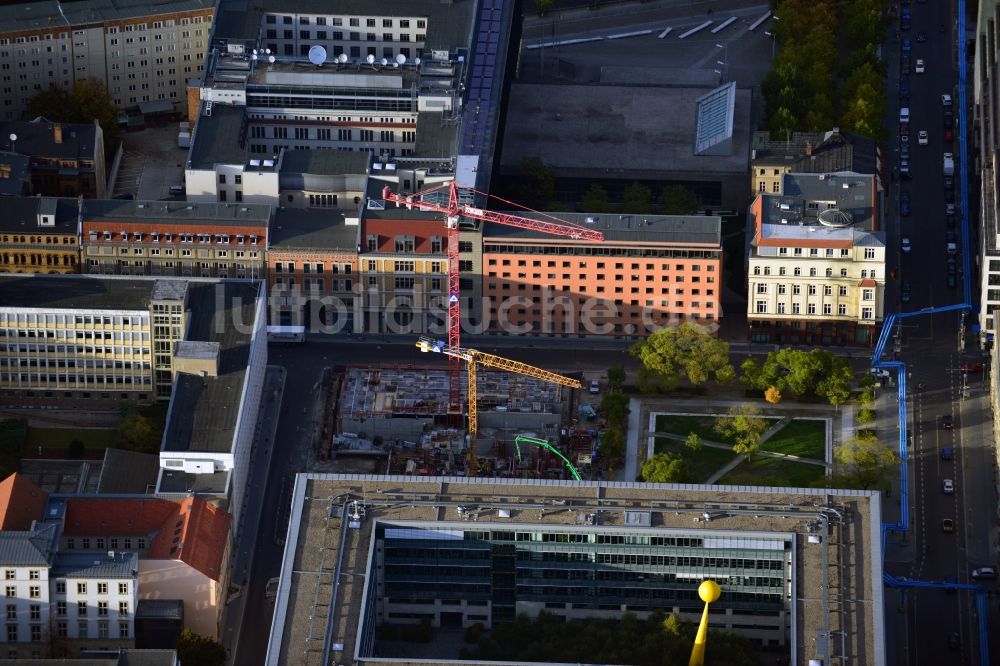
column 526, row 427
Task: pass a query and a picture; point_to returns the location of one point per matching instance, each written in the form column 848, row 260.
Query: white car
column 948, row 486
column 919, row 67
column 945, row 100
column 905, row 245
column 922, row 137
column 595, row 387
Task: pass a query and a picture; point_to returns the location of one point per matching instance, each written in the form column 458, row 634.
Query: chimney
column 57, row 132
column 809, row 148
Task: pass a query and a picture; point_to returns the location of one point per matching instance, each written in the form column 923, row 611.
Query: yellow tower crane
column 475, row 358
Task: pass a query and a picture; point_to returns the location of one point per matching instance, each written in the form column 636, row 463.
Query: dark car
column 949, row 196
column 950, row 582
column 907, row 45
column 921, row 37
column 953, row 643
column 949, row 183
column 946, row 424
column 904, row 204
column 949, row 237
column 950, row 221
column 905, row 292
column 952, row 267
column 949, row 136
column 952, row 282
column 947, row 453
column 949, row 120
column 971, row 366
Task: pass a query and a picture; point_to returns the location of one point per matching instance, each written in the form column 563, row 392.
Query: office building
column 650, row 271
column 175, row 238
column 142, row 51
column 983, row 158
column 810, row 152
column 817, row 268
column 64, row 160
column 199, row 343
column 40, row 235
column 461, row 551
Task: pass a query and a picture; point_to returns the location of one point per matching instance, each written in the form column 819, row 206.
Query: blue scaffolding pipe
column 891, row 320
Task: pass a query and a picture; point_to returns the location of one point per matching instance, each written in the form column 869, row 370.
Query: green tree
column 744, row 426
column 688, row 350
column 612, row 446
column 637, row 198
column 664, row 468
column 537, row 183
column 88, row 100
column 614, row 407
column 799, row 372
column 543, row 5
column 616, row 376
column 865, row 463
column 693, row 441
column 595, row 200
column 137, row 432
column 865, row 415
column 678, row 200
column 836, row 383
column 202, row 650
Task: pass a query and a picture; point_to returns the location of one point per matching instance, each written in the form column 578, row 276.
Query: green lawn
column 774, row 472
column 702, row 463
column 59, row 438
column 685, row 424
column 805, row 438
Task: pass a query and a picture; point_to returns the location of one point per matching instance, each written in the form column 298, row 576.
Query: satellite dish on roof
column 255, row 51
column 342, row 58
column 400, row 59
column 267, row 51
column 416, row 61
column 384, row 62
column 370, row 59
column 317, row 54
column 253, row 57
column 270, row 59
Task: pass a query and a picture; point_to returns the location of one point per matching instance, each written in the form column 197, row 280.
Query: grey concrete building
column 142, row 51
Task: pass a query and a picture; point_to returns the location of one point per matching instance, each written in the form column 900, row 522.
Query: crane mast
column 453, row 211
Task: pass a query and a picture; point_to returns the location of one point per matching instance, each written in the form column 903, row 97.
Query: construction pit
column 402, row 413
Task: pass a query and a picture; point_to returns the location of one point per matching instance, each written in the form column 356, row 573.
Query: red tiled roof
column 190, row 530
column 21, row 502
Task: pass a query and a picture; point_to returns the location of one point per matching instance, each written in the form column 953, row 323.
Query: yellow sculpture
column 709, row 591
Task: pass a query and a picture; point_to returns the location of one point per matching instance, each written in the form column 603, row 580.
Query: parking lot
column 151, row 164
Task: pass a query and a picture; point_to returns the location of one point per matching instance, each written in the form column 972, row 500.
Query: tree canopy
column 193, row 648
column 797, row 372
column 864, row 463
column 664, row 468
column 86, row 101
column 654, row 641
column 687, row 351
column 744, row 426
column 678, row 200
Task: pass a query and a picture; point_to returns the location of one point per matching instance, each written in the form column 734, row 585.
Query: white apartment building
column 94, row 598
column 817, row 263
column 26, row 558
column 142, row 52
column 984, row 151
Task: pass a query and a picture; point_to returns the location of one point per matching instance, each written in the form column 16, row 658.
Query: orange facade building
column 650, row 271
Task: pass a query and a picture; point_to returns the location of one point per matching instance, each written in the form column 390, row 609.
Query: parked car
column 948, row 525
column 984, row 572
column 904, row 245
column 595, row 387
column 949, row 120
column 953, row 642
column 904, row 292
column 904, row 150
column 948, row 136
column 951, row 282
column 946, row 100
column 971, row 366
column 904, row 114
column 949, row 196
column 949, row 237
column 952, row 267
column 948, row 486
column 949, row 183
column 904, row 166
column 921, row 37
column 920, row 66
column 904, row 204
column 922, row 137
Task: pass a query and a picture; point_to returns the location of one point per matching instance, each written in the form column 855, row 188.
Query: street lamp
column 771, row 35
column 13, row 142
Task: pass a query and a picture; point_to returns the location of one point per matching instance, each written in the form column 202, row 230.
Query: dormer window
column 107, row 235
column 155, row 237
column 124, row 236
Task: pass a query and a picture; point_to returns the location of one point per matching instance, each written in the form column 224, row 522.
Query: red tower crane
column 453, row 210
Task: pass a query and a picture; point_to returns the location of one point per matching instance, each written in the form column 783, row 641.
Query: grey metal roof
column 675, row 229
column 818, row 152
column 128, row 472
column 848, row 192
column 297, row 228
column 16, row 184
column 120, row 564
column 93, row 11
column 35, row 547
column 37, row 137
column 20, row 215
column 435, row 138
column 203, row 410
column 173, row 482
column 714, row 128
column 176, row 212
column 55, row 292
column 325, row 161
column 217, row 137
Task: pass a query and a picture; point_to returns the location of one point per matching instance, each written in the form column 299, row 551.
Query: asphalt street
column 921, row 628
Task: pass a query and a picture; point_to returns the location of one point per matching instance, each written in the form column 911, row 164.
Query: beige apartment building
column 142, row 52
column 817, row 265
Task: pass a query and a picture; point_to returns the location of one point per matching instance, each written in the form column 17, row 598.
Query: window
column 81, row 588
column 34, row 574
column 842, row 309
column 81, row 609
column 102, row 607
column 123, row 608
column 828, row 308
column 869, row 253
column 761, row 288
column 35, row 612
column 781, row 308
column 9, row 574
column 123, row 630
column 811, row 308
column 795, row 308
column 796, row 290
column 781, row 290
column 60, row 608
column 843, row 290
column 11, row 611
column 122, row 588
column 35, row 592
column 11, row 591
column 867, row 313
column 102, row 629
column 868, row 294
column 828, row 290
column 761, row 307
column 12, row 633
